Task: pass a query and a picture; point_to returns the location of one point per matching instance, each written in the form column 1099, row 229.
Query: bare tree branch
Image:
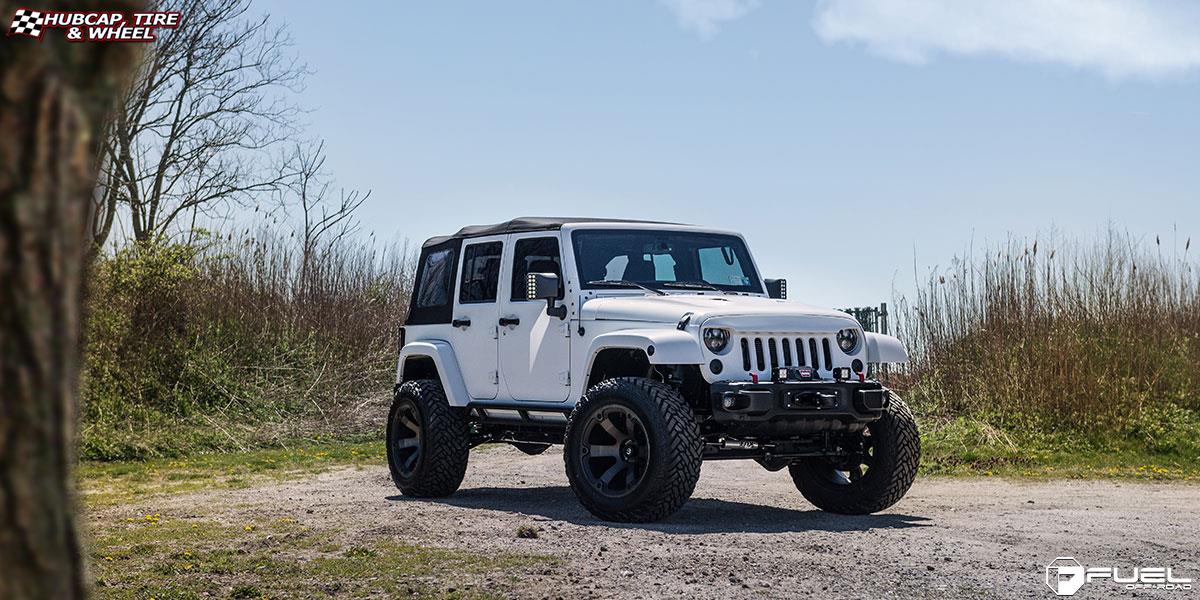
column 195, row 131
column 325, row 220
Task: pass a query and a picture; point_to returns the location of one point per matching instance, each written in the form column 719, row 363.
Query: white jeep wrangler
column 644, row 348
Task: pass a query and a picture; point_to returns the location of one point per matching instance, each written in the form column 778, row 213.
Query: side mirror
column 777, row 288
column 544, row 286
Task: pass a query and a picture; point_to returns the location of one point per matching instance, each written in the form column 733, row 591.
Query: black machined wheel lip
column 406, row 450
column 585, row 456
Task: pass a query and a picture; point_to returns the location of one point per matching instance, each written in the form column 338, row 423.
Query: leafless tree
column 53, row 96
column 199, row 128
column 325, row 219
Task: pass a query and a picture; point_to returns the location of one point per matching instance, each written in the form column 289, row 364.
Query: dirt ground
column 747, row 533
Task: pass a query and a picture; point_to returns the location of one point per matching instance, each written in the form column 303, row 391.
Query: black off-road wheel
column 427, row 441
column 877, row 472
column 633, row 450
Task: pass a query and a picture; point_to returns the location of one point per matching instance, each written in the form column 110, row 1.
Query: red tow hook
column 862, row 377
column 753, row 377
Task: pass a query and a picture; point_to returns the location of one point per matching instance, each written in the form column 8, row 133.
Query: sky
column 856, row 144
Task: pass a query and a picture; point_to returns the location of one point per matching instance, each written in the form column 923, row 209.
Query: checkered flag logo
column 26, row 22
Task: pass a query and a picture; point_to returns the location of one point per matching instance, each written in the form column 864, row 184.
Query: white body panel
column 545, row 360
column 447, row 366
column 535, row 354
column 476, row 344
column 885, row 349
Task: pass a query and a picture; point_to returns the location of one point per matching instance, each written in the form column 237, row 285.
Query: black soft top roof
column 522, row 224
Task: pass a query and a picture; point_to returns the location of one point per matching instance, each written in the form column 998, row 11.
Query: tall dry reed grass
column 1097, row 339
column 236, row 341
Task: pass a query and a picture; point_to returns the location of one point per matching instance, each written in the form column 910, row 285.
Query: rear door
column 473, row 333
column 535, row 357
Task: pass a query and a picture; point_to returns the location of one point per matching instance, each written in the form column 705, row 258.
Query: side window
column 534, row 255
column 480, row 273
column 437, row 273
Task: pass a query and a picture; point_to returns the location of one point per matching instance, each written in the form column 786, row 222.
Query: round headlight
column 847, row 340
column 715, row 339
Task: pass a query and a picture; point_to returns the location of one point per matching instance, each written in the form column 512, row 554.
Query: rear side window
column 434, row 288
column 480, row 273
column 535, row 255
column 432, row 299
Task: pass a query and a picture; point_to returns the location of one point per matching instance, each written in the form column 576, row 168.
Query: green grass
column 966, row 447
column 163, row 556
column 107, row 483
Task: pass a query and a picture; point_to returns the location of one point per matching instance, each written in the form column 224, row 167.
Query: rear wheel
column 876, row 473
column 633, row 450
column 427, row 441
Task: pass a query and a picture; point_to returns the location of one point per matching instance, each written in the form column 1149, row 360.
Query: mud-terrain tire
column 428, row 442
column 643, row 437
column 530, row 448
column 895, row 451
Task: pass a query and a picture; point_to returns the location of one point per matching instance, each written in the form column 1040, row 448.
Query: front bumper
column 797, row 406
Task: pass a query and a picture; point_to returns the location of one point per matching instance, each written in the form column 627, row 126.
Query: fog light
column 716, row 366
column 735, row 401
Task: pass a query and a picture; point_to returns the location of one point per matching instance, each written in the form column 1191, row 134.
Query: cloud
column 705, row 17
column 1120, row 38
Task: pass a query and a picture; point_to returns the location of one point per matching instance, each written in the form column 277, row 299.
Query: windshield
column 676, row 260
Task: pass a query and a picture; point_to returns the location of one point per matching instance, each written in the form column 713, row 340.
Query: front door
column 535, row 358
column 474, row 331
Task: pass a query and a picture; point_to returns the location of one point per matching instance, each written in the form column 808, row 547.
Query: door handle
column 505, row 321
column 460, row 323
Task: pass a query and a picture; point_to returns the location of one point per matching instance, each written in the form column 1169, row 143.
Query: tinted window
column 480, row 273
column 535, row 255
column 654, row 258
column 437, row 275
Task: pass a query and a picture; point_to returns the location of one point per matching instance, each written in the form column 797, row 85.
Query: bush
column 1096, row 344
column 236, row 342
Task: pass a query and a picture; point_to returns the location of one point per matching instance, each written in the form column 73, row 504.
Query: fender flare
column 671, row 346
column 885, row 349
column 444, row 360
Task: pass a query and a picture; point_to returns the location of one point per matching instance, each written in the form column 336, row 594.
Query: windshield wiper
column 624, row 283
column 695, row 285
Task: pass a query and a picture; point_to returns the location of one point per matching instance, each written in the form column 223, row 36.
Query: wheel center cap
column 628, row 450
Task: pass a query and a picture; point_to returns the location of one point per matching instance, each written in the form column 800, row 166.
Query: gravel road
column 748, row 533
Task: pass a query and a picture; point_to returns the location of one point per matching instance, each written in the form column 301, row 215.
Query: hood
column 671, row 308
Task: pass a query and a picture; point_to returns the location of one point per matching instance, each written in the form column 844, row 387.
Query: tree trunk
column 53, row 98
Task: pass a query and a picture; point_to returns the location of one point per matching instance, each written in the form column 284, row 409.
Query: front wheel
column 875, row 474
column 427, row 442
column 633, row 450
